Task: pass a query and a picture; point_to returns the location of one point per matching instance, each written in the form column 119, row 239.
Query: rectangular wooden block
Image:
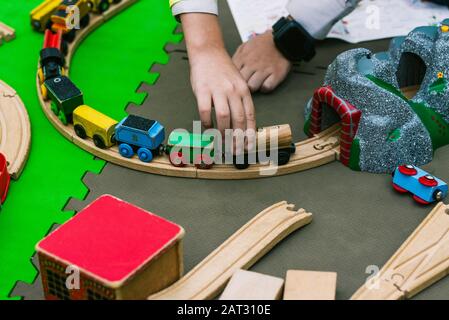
column 247, row 285
column 310, row 285
column 6, row 32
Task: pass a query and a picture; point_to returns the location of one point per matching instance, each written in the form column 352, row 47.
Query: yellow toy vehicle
column 40, row 16
column 62, row 18
column 100, row 6
column 91, row 123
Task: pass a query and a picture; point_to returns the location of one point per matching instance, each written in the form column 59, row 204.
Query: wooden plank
column 240, row 251
column 422, row 260
column 247, row 285
column 6, row 33
column 310, row 285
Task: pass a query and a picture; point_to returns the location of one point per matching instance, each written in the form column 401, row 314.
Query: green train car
column 189, row 148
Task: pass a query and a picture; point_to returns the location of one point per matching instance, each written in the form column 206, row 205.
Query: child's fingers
column 257, row 79
column 238, row 120
column 222, row 112
column 250, row 113
column 204, row 101
column 247, row 73
column 270, row 84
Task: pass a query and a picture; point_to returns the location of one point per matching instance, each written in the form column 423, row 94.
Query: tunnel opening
column 410, row 74
column 339, row 110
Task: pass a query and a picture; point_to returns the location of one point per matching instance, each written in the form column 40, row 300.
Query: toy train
column 188, row 148
column 133, row 135
column 424, row 187
column 55, row 15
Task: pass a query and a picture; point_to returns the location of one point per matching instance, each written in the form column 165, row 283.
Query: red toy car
column 4, row 178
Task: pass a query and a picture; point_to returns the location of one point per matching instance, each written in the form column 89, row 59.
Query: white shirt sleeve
column 319, row 16
column 198, row 6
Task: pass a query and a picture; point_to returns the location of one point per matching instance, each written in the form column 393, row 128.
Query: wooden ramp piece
column 310, row 285
column 240, row 251
column 422, row 260
column 247, row 285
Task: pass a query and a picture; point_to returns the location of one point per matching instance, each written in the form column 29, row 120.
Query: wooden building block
column 6, row 32
column 119, row 250
column 310, row 285
column 247, row 285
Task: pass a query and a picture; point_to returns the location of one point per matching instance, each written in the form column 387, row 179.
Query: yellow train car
column 40, row 16
column 100, row 6
column 90, row 123
column 61, row 17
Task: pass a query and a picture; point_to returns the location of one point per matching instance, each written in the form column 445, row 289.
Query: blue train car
column 135, row 134
column 424, row 187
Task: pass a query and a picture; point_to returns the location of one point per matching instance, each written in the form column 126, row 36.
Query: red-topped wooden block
column 121, row 252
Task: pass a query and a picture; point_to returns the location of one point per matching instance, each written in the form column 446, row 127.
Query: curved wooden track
column 240, row 251
column 314, row 152
column 15, row 130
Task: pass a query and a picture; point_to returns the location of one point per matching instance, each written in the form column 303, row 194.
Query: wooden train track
column 422, row 260
column 6, row 33
column 314, row 152
column 240, row 251
column 15, row 130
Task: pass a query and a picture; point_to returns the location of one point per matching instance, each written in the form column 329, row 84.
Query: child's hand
column 215, row 80
column 261, row 64
column 217, row 83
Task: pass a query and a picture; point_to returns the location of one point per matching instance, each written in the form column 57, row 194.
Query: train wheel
column 103, row 6
column 91, row 5
column 283, row 157
column 62, row 117
column 40, row 75
column 420, row 201
column 438, row 195
column 85, row 21
column 70, row 36
column 64, row 47
column 80, row 131
column 145, row 155
column 241, row 166
column 177, row 159
column 399, row 189
column 99, row 142
column 36, row 25
column 44, row 92
column 203, row 162
column 125, row 150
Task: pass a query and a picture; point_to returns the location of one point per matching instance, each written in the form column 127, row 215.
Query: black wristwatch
column 293, row 41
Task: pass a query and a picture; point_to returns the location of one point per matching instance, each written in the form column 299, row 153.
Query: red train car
column 4, row 178
column 55, row 40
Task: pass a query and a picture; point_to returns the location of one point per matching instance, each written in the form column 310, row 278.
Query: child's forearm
column 190, row 6
column 202, row 33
